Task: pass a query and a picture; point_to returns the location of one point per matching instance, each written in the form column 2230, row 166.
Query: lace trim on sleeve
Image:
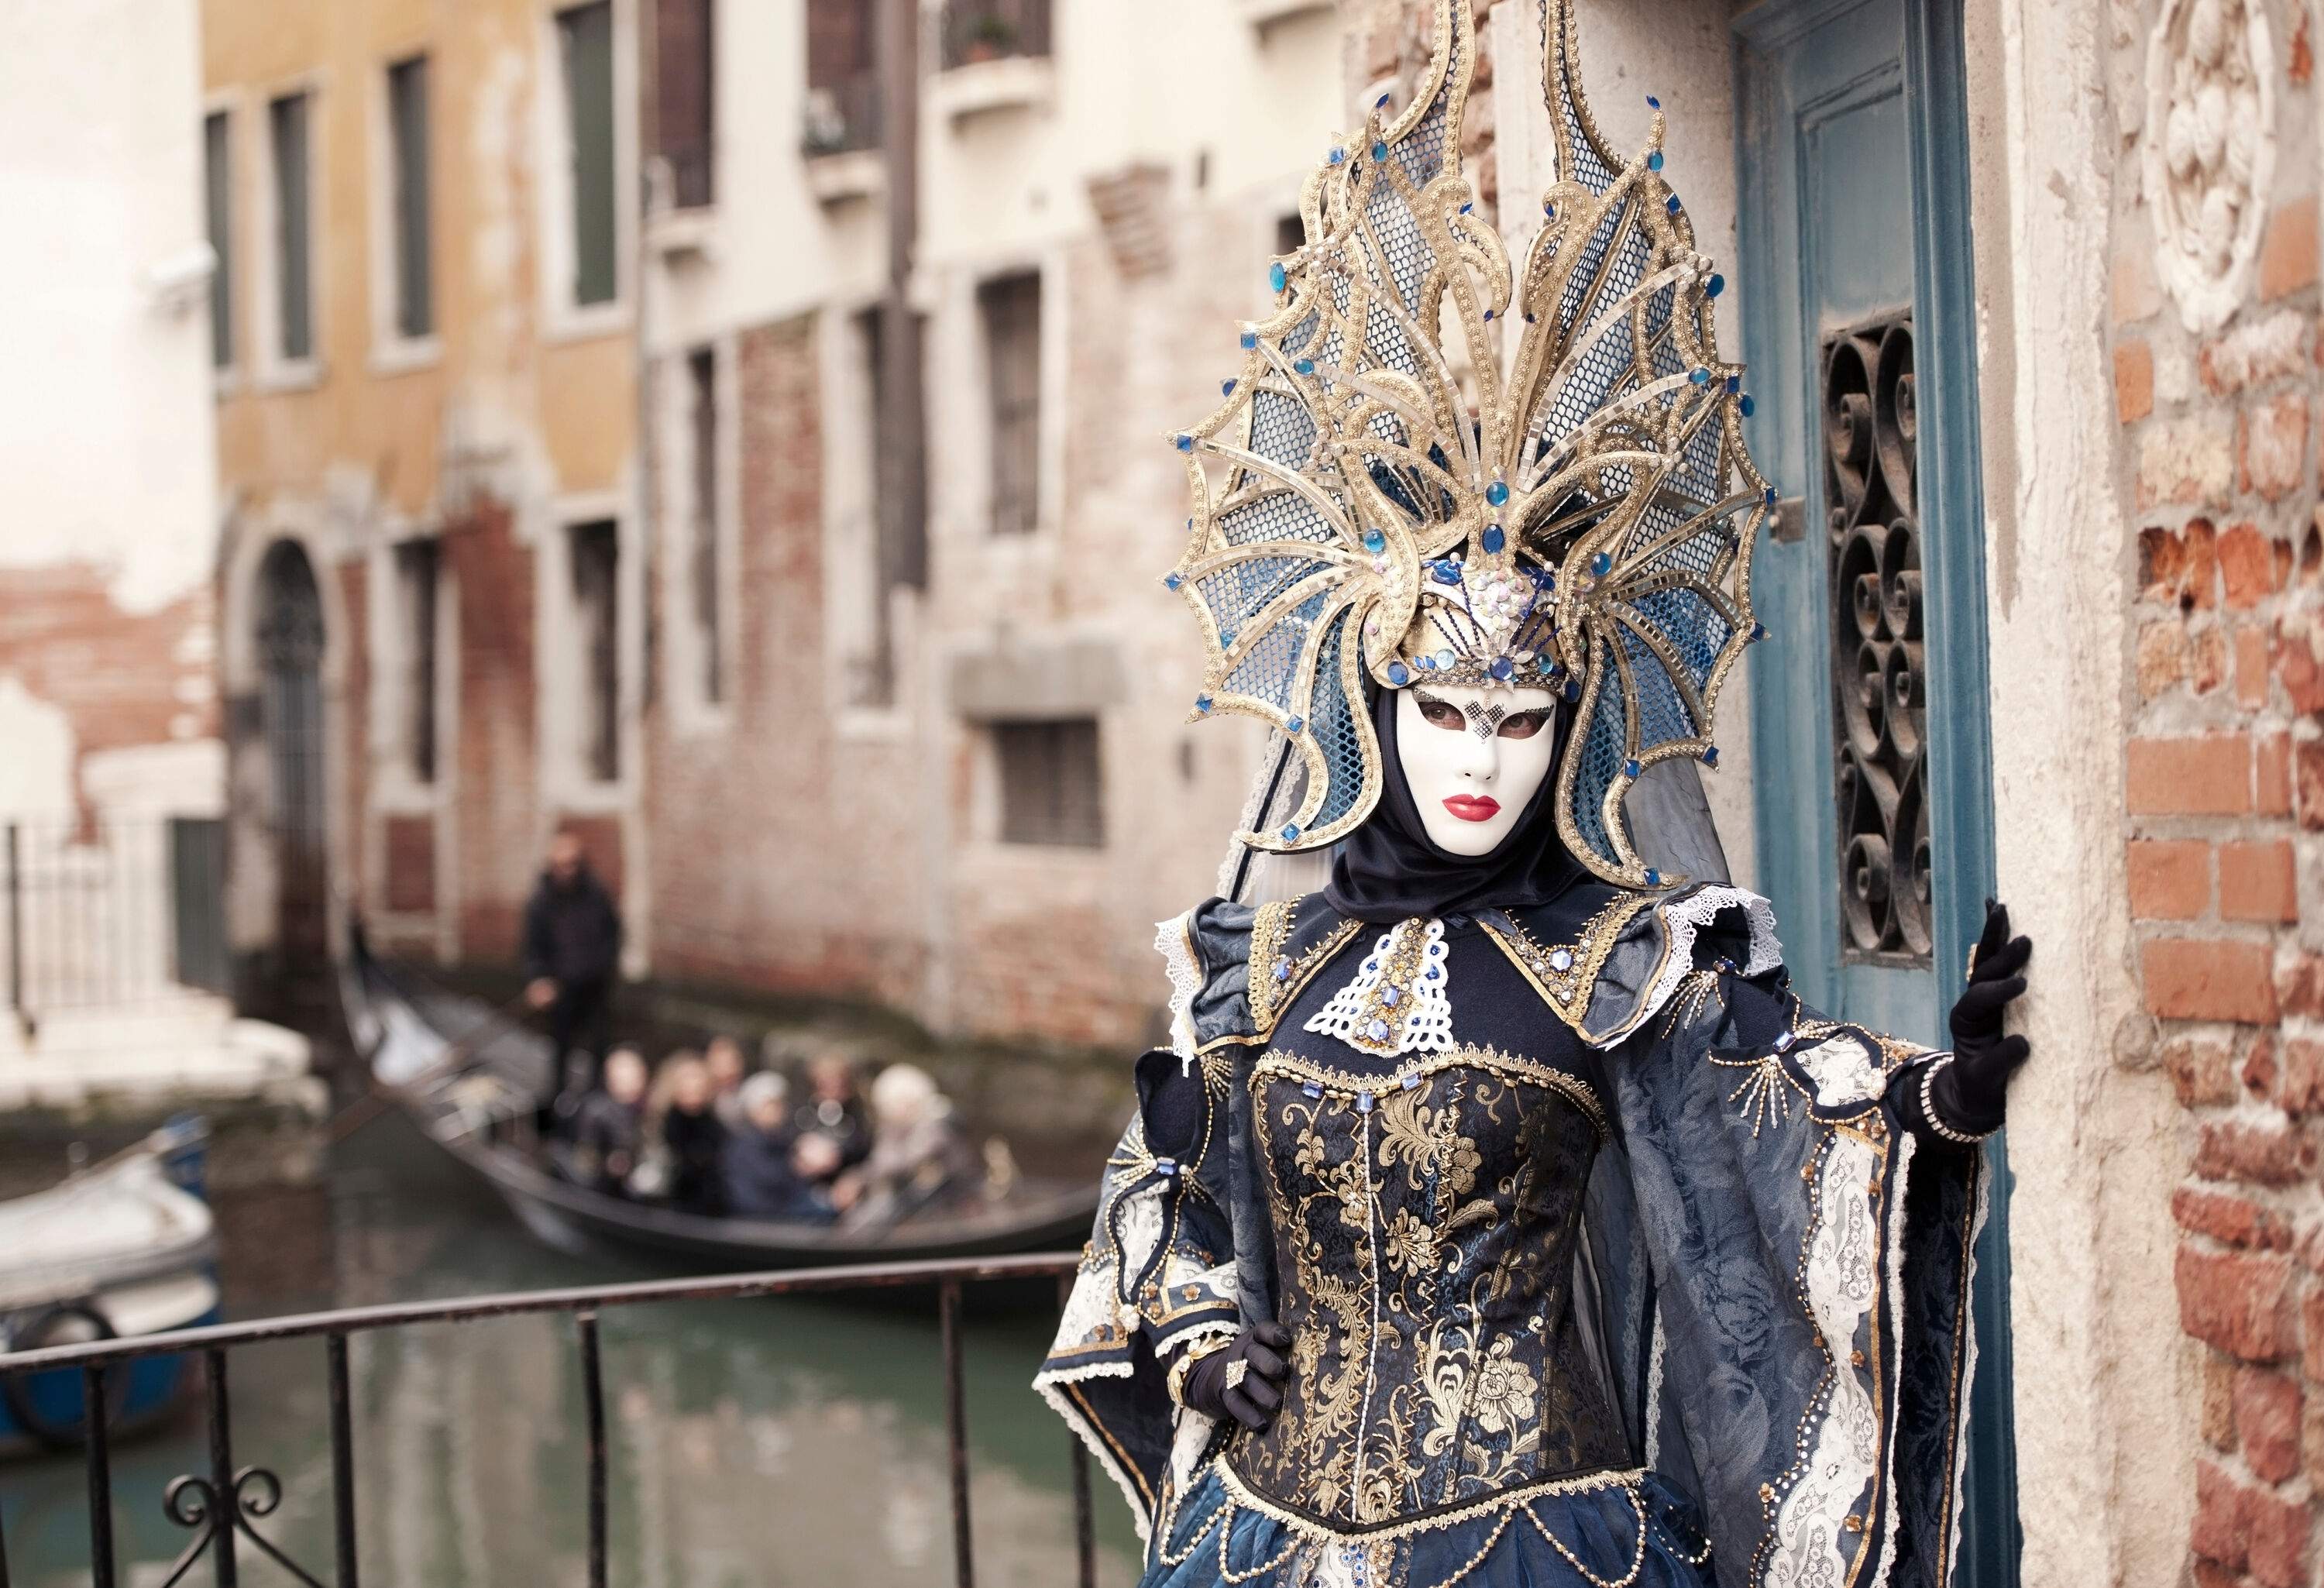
column 1174, row 939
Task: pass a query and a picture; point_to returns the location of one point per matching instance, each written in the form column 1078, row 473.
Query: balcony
column 840, row 139
column 995, row 57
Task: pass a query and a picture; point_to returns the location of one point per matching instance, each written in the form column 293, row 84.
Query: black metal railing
column 108, row 915
column 224, row 1506
column 992, row 29
column 841, row 117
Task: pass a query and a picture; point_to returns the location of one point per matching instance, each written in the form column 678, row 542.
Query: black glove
column 1971, row 1094
column 1254, row 1401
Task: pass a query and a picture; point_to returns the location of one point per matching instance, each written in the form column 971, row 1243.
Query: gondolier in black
column 572, row 947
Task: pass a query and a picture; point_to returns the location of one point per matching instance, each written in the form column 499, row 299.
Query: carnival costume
column 1532, row 1229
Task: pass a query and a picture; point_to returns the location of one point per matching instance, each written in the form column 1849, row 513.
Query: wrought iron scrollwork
column 1879, row 666
column 193, row 1502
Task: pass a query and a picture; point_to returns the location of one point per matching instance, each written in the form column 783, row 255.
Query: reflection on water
column 759, row 1443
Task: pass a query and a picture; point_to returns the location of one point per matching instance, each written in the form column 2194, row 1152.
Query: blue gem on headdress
column 1758, row 631
column 1548, row 209
column 1653, row 103
column 1227, row 637
column 1277, row 275
column 1337, row 155
column 1305, row 366
column 1186, row 443
column 1375, row 542
column 1573, row 689
column 1493, row 539
column 1293, row 725
column 1502, row 667
column 1249, row 340
column 1768, row 496
column 1630, row 768
column 1445, row 658
column 1498, row 493
column 1734, row 383
column 1548, row 667
column 1672, row 204
column 1488, row 314
column 1602, row 564
column 1379, row 150
column 1701, row 377
column 1465, row 209
column 1201, row 703
column 1711, row 755
column 1399, row 675
column 1747, row 405
column 1445, row 571
column 1715, row 285
column 1291, row 832
column 1171, row 581
column 1226, row 388
column 1380, row 103
column 1654, row 161
column 1654, row 878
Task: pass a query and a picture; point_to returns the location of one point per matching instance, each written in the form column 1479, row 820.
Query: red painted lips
column 1473, row 808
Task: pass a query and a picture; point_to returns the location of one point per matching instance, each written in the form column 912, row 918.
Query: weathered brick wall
column 496, row 756
column 353, row 753
column 2225, row 795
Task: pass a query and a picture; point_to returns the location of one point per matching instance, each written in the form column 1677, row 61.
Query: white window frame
column 391, row 352
column 562, row 319
column 568, row 783
column 271, row 371
column 694, row 712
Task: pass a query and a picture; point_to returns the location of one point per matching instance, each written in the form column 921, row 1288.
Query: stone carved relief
column 2210, row 149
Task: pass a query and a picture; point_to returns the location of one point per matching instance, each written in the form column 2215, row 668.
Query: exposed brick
column 2267, row 1422
column 411, row 845
column 2279, row 1527
column 2300, row 986
column 2207, row 776
column 2170, row 879
column 2216, row 1418
column 2307, row 776
column 2222, row 1530
column 2287, row 249
column 2134, row 380
column 2256, row 883
column 2238, row 1301
column 2230, row 1220
column 2260, row 1069
column 2190, row 461
column 2164, row 660
column 2256, row 352
column 2207, row 659
column 2247, row 565
column 2201, row 1072
column 2179, row 565
column 2206, row 979
column 2259, row 1154
column 2301, row 1090
column 2271, row 762
column 2299, row 661
column 2252, row 655
column 2272, row 445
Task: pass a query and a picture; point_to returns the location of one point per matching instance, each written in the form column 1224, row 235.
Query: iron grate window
column 217, row 208
column 1050, row 789
column 1879, row 662
column 1011, row 309
column 418, row 569
column 584, row 37
column 595, row 553
column 287, row 130
column 702, row 389
column 407, row 111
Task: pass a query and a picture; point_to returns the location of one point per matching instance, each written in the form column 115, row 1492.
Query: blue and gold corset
column 1423, row 1212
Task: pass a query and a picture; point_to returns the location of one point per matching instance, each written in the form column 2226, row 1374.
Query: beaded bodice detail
column 1425, row 1210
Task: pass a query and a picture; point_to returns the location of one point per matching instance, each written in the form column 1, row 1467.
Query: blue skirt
column 1623, row 1531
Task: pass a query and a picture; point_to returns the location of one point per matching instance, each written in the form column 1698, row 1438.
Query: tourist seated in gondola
column 609, row 1129
column 728, row 1070
column 833, row 1109
column 763, row 1175
column 691, row 1141
column 917, row 1159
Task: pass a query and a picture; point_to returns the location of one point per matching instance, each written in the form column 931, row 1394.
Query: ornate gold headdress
column 1581, row 518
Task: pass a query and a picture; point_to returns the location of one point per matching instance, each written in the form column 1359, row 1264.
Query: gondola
column 465, row 1074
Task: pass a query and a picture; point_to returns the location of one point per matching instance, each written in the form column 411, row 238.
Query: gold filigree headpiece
column 1380, row 499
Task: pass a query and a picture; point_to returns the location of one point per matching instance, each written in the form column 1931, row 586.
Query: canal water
column 758, row 1444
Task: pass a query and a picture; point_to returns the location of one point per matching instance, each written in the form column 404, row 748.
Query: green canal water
column 754, row 1443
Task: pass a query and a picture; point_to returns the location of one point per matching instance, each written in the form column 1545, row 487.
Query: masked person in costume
column 1499, row 1215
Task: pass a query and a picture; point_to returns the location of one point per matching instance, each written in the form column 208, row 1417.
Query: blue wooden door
column 1869, row 731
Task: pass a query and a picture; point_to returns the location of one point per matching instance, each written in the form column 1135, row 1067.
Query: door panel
column 1873, row 751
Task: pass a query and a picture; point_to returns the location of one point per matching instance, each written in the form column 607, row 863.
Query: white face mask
column 1473, row 758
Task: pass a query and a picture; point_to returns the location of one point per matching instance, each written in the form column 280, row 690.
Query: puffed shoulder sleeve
column 1208, row 953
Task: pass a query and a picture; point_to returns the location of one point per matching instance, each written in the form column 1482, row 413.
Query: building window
column 702, row 392
column 407, row 123
column 594, row 553
column 289, row 129
column 1049, row 790
column 684, row 74
column 417, row 566
column 217, row 208
column 584, row 39
column 989, row 30
column 842, row 78
column 1012, row 308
